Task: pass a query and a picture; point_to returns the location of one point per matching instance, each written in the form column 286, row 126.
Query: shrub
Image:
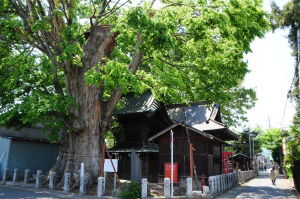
column 131, row 190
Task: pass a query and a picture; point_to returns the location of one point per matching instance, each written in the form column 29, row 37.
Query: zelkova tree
column 272, row 140
column 73, row 60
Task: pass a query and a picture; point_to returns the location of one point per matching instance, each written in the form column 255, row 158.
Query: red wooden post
column 191, row 162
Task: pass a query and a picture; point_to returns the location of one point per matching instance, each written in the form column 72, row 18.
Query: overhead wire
column 288, row 95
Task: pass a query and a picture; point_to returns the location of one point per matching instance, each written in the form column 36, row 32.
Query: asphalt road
column 13, row 192
column 261, row 188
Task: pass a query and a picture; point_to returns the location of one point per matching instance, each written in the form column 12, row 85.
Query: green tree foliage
column 242, row 145
column 272, row 140
column 292, row 141
column 209, row 40
column 71, row 61
column 289, row 17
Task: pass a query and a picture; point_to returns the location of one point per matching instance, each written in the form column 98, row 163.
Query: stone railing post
column 223, row 180
column 219, row 183
column 211, row 185
column 15, row 178
column 226, row 182
column 38, row 179
column 51, row 180
column 26, row 176
column 82, row 180
column 100, row 187
column 144, row 188
column 206, row 190
column 167, row 188
column 189, row 187
column 215, row 183
column 67, row 182
column 5, row 175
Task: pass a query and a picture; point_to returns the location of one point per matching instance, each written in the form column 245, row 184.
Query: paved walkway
column 261, row 188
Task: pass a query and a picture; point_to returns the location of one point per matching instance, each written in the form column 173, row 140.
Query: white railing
column 217, row 184
column 221, row 183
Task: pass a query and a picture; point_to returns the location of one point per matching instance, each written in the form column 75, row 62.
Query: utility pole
column 249, row 141
column 298, row 48
column 253, row 147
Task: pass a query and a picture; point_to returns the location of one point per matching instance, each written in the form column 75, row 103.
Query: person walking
column 273, row 175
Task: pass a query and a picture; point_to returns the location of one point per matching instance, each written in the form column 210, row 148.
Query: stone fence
column 217, row 184
column 224, row 182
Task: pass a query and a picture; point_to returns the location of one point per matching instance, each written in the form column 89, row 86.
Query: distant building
column 242, row 162
column 26, row 149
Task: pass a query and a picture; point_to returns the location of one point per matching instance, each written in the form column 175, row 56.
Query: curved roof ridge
column 142, row 104
column 220, row 123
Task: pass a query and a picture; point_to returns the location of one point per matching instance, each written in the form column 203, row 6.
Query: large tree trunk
column 92, row 115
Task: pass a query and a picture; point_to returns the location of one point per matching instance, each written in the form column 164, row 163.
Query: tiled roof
column 141, row 104
column 201, row 118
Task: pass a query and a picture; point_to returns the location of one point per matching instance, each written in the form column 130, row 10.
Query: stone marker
column 167, row 188
column 144, row 188
column 15, row 178
column 51, row 180
column 82, row 180
column 67, row 182
column 189, row 187
column 100, row 187
column 136, row 167
column 5, row 175
column 38, row 179
column 26, row 176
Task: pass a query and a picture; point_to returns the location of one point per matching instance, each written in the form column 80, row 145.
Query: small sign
column 108, row 167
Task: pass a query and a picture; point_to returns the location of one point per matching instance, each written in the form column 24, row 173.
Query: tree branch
column 137, row 57
column 117, row 94
column 105, row 15
column 64, row 10
column 41, row 8
column 57, row 85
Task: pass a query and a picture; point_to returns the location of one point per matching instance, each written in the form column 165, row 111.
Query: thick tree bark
column 84, row 143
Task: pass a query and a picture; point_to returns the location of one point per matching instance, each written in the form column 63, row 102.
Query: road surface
column 14, row 192
column 261, row 188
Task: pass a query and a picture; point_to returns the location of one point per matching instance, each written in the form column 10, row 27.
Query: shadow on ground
column 261, row 188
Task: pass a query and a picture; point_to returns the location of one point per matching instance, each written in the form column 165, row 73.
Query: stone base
column 206, row 196
column 197, row 193
column 116, row 193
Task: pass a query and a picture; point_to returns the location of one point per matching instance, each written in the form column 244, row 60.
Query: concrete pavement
column 261, row 188
column 21, row 192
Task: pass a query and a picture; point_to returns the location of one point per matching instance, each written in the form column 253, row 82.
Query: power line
column 288, row 95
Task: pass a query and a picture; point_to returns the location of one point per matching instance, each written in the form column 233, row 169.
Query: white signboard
column 108, row 167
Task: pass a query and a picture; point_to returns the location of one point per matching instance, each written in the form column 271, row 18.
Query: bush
column 131, row 190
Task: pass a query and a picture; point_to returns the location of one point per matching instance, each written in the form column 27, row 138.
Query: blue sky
column 272, row 71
